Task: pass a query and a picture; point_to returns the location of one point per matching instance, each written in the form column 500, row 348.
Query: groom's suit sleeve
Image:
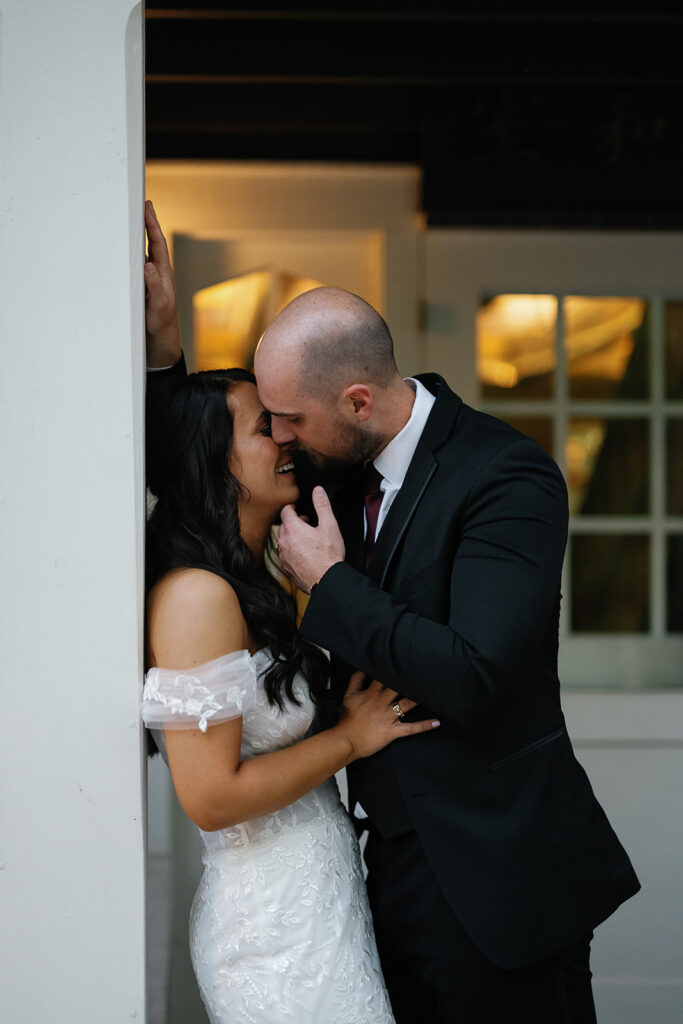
column 502, row 552
column 159, row 386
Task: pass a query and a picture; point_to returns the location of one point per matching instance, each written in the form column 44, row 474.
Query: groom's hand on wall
column 307, row 552
column 161, row 310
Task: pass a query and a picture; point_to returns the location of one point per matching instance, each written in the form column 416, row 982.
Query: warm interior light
column 517, row 342
column 230, row 317
column 290, row 287
column 584, row 442
column 516, row 337
column 226, row 318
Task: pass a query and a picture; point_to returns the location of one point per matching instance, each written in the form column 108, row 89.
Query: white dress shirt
column 393, row 461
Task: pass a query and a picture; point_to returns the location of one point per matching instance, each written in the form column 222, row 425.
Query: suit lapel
column 438, row 428
column 422, row 469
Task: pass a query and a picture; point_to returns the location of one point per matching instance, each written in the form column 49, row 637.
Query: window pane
column 607, row 466
column 610, row 583
column 607, row 343
column 516, row 346
column 674, row 584
column 541, row 428
column 674, row 350
column 674, row 467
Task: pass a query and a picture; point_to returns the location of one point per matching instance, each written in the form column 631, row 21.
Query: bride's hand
column 371, row 721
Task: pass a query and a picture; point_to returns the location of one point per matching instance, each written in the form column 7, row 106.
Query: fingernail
column 435, row 724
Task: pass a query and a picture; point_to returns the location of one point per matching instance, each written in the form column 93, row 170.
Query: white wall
column 71, row 375
column 631, row 748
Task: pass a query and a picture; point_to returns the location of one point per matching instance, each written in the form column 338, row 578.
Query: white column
column 71, row 511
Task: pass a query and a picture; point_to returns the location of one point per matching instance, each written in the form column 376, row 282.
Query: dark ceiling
column 532, row 118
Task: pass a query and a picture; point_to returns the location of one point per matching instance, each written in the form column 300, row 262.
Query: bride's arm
column 194, row 617
column 216, row 789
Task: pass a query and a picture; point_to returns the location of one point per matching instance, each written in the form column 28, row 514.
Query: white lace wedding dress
column 280, row 928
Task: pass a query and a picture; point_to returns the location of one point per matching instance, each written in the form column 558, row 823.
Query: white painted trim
column 627, row 719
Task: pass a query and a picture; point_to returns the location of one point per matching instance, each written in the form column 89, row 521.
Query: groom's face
column 304, row 421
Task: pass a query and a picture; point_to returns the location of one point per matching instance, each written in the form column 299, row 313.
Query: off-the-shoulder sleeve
column 205, row 695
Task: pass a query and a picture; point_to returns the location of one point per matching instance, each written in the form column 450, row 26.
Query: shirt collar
column 393, row 461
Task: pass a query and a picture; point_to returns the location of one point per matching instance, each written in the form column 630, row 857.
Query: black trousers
column 433, row 971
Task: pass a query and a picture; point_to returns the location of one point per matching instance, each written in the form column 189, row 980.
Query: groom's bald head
column 325, row 340
column 325, row 370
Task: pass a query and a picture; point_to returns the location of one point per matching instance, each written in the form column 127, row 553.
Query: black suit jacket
column 459, row 611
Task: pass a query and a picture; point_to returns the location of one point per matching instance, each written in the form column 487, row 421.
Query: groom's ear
column 358, row 399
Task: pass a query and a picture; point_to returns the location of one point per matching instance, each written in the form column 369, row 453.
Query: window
column 598, row 381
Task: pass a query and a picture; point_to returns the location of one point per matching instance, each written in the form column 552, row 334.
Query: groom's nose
column 281, row 431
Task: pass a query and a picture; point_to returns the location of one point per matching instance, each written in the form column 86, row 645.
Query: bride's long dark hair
column 195, row 524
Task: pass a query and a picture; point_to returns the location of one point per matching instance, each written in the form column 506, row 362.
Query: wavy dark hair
column 195, row 524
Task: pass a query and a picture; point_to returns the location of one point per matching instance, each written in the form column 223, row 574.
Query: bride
column 280, row 927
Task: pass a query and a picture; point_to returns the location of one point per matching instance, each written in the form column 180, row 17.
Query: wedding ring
column 396, row 708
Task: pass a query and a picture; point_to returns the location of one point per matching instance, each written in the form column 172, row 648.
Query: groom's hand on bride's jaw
column 307, row 552
column 161, row 310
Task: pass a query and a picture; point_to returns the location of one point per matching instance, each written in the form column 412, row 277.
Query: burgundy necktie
column 373, row 499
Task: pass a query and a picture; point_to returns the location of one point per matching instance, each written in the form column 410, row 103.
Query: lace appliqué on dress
column 205, row 695
column 282, row 933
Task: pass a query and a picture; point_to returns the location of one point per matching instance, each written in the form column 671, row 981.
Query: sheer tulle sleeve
column 205, row 695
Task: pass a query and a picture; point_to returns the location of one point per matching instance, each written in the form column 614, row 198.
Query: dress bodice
column 230, row 687
column 264, row 726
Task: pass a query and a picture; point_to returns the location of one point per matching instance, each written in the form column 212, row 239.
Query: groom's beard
column 352, row 446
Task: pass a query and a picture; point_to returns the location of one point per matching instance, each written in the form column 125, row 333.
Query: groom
column 490, row 860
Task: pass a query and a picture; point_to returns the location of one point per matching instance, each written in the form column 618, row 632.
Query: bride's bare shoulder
column 193, row 616
column 190, row 584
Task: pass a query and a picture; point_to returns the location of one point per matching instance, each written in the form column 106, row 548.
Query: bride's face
column 264, row 468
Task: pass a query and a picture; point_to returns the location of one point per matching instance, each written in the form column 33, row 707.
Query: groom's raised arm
column 165, row 361
column 161, row 308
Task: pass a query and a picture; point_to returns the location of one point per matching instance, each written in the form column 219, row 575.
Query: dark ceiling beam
column 427, row 10
column 419, row 52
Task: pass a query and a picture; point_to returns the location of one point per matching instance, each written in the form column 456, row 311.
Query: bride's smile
column 264, row 468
